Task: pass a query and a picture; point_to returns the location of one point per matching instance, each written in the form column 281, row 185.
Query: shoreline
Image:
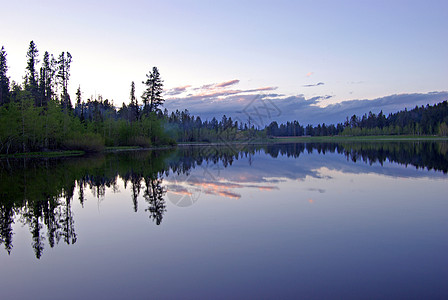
column 273, row 140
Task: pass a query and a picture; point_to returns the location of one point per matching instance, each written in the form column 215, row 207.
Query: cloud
column 319, row 98
column 221, row 85
column 289, row 108
column 309, row 74
column 177, row 90
column 311, row 85
column 213, row 187
column 316, row 190
column 227, row 83
column 211, row 92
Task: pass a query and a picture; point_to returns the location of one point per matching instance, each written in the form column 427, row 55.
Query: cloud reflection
column 221, row 187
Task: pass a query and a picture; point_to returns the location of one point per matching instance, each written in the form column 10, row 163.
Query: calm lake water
column 266, row 221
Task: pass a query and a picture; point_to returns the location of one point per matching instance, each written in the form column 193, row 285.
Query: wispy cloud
column 177, row 90
column 213, row 86
column 221, row 188
column 309, row 74
column 311, row 85
column 320, row 98
column 227, row 83
column 316, row 190
column 213, row 91
column 215, row 94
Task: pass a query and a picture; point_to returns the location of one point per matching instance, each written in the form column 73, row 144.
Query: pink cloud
column 177, row 90
column 227, row 83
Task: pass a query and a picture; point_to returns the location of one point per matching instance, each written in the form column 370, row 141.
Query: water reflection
column 39, row 193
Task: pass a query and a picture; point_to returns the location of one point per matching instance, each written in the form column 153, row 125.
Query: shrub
column 88, row 142
column 139, row 141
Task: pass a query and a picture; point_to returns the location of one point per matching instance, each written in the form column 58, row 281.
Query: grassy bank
column 44, row 154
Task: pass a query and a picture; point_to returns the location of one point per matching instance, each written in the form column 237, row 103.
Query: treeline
column 423, row 120
column 295, row 129
column 38, row 114
column 185, row 127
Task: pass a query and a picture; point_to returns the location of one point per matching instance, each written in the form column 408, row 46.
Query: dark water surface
column 267, row 221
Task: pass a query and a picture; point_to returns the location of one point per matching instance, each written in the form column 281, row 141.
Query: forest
column 38, row 115
column 423, row 120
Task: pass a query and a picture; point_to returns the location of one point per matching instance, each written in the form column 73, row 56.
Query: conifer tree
column 133, row 106
column 152, row 96
column 31, row 76
column 46, row 79
column 64, row 76
column 4, row 80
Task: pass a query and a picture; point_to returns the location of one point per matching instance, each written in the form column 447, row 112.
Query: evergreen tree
column 64, row 76
column 152, row 96
column 133, row 106
column 31, row 76
column 78, row 96
column 46, row 80
column 4, row 80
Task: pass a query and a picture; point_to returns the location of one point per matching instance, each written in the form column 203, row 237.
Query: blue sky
column 326, row 51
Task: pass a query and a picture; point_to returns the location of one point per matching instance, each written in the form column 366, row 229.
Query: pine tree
column 4, row 80
column 64, row 76
column 46, row 79
column 134, row 111
column 31, row 77
column 152, row 97
column 78, row 96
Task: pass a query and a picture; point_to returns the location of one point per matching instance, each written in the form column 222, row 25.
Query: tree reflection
column 153, row 195
column 6, row 221
column 136, row 186
column 66, row 221
column 39, row 193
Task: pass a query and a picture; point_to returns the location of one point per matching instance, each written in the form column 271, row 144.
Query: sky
column 306, row 58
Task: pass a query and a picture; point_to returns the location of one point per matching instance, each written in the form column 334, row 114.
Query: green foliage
column 34, row 118
column 443, row 129
column 88, row 142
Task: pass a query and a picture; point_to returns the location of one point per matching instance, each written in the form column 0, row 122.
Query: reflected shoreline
column 39, row 193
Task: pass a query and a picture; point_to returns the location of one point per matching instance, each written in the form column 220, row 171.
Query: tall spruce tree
column 64, row 75
column 78, row 96
column 4, row 80
column 133, row 106
column 46, row 79
column 31, row 77
column 152, row 96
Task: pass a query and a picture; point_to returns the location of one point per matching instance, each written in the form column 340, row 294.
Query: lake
column 312, row 221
